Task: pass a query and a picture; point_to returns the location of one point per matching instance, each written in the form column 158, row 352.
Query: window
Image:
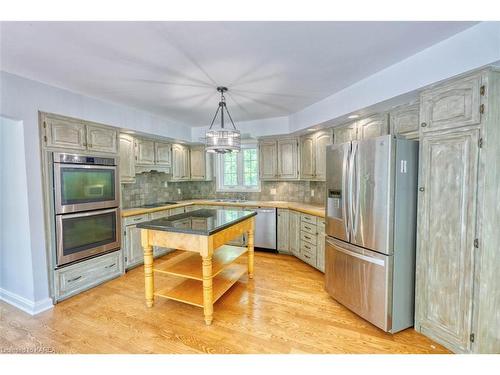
column 239, row 171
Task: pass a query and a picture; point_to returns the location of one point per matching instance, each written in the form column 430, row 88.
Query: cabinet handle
column 307, row 247
column 308, row 257
column 421, row 189
column 307, row 237
column 111, row 265
column 423, row 124
column 74, row 279
column 307, row 227
column 138, row 218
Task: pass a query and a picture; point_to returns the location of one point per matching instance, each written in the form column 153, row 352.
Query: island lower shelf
column 190, row 291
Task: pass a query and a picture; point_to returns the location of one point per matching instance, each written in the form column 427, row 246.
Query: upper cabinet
column 404, row 121
column 127, row 159
column 313, row 155
column 201, row 164
column 345, row 133
column 102, row 139
column 268, row 160
column 278, row 159
column 180, row 163
column 373, row 126
column 452, row 105
column 163, row 154
column 367, row 127
column 288, row 168
column 144, row 152
column 68, row 133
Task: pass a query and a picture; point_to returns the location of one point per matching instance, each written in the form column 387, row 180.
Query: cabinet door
column 178, row 162
column 322, row 139
column 268, row 160
column 307, row 152
column 198, row 163
column 145, row 152
column 320, row 260
column 446, row 232
column 288, row 159
column 187, row 163
column 404, row 121
column 163, row 154
column 373, row 126
column 345, row 133
column 452, row 105
column 283, row 231
column 102, row 139
column 294, row 231
column 65, row 133
column 127, row 159
column 134, row 254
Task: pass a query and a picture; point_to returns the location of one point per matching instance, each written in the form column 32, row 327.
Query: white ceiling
column 172, row 68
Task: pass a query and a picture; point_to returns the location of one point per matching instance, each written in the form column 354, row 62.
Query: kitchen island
column 207, row 263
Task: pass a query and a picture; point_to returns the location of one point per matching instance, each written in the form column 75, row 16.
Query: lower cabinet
column 294, row 232
column 283, row 231
column 320, row 259
column 84, row 275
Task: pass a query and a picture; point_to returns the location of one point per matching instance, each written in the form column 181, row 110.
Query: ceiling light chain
column 222, row 140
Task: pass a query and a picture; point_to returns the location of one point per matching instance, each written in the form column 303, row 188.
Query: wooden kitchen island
column 207, row 263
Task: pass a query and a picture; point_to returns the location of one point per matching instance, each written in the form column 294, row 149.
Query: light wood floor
column 283, row 310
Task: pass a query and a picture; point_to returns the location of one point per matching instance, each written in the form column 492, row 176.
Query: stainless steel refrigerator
column 371, row 227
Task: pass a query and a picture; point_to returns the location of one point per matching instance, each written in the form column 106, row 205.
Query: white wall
column 21, row 99
column 16, row 276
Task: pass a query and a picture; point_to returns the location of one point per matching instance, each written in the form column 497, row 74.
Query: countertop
column 204, row 221
column 316, row 210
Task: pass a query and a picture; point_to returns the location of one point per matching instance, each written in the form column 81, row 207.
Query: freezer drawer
column 360, row 280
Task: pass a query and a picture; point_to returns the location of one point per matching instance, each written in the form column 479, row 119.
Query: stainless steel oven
column 84, row 234
column 84, row 183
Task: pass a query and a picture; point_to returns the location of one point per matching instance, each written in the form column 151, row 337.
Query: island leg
column 208, row 296
column 250, row 251
column 148, row 268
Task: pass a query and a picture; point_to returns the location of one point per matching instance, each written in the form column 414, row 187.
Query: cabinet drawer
column 308, row 218
column 84, row 275
column 308, row 227
column 176, row 211
column 131, row 220
column 159, row 214
column 308, row 253
column 308, row 237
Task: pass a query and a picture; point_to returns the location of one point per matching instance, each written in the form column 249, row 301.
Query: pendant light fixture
column 220, row 139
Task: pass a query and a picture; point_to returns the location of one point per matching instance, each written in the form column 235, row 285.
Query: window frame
column 239, row 188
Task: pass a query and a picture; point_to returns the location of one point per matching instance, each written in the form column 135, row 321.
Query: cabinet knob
column 424, row 124
column 421, row 189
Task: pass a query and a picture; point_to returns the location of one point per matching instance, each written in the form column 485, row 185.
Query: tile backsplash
column 150, row 188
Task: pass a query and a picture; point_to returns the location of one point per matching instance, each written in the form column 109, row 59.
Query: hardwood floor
column 284, row 309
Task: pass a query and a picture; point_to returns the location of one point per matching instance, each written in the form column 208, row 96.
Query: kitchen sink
column 231, row 200
column 159, row 204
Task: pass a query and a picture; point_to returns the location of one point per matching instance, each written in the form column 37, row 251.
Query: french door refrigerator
column 371, row 227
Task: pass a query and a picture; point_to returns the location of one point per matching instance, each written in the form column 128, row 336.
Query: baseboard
column 25, row 304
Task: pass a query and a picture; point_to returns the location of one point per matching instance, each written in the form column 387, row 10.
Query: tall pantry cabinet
column 457, row 284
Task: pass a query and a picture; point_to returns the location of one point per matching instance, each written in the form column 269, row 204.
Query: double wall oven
column 86, row 206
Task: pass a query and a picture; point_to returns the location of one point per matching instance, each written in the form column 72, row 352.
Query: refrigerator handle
column 351, row 203
column 345, row 192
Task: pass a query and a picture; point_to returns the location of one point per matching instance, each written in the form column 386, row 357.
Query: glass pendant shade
column 220, row 139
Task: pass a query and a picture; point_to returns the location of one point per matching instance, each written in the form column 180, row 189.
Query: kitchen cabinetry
column 320, row 260
column 373, row 126
column 151, row 155
column 457, row 299
column 201, row 164
column 78, row 135
column 313, row 155
column 294, row 232
column 367, row 127
column 145, row 152
column 308, row 239
column 404, row 121
column 278, row 159
column 345, row 133
column 180, row 163
column 127, row 159
column 163, row 154
column 283, row 231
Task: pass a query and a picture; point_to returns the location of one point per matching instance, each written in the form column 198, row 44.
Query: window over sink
column 239, row 172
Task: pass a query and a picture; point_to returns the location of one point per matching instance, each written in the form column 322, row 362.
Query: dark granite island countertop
column 202, row 222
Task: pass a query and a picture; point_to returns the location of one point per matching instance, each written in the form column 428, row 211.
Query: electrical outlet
column 273, row 192
column 312, row 192
column 165, row 184
column 178, row 191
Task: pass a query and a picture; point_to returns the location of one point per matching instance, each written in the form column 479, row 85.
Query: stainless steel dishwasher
column 265, row 227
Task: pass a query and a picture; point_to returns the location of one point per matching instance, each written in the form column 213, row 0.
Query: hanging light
column 220, row 139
